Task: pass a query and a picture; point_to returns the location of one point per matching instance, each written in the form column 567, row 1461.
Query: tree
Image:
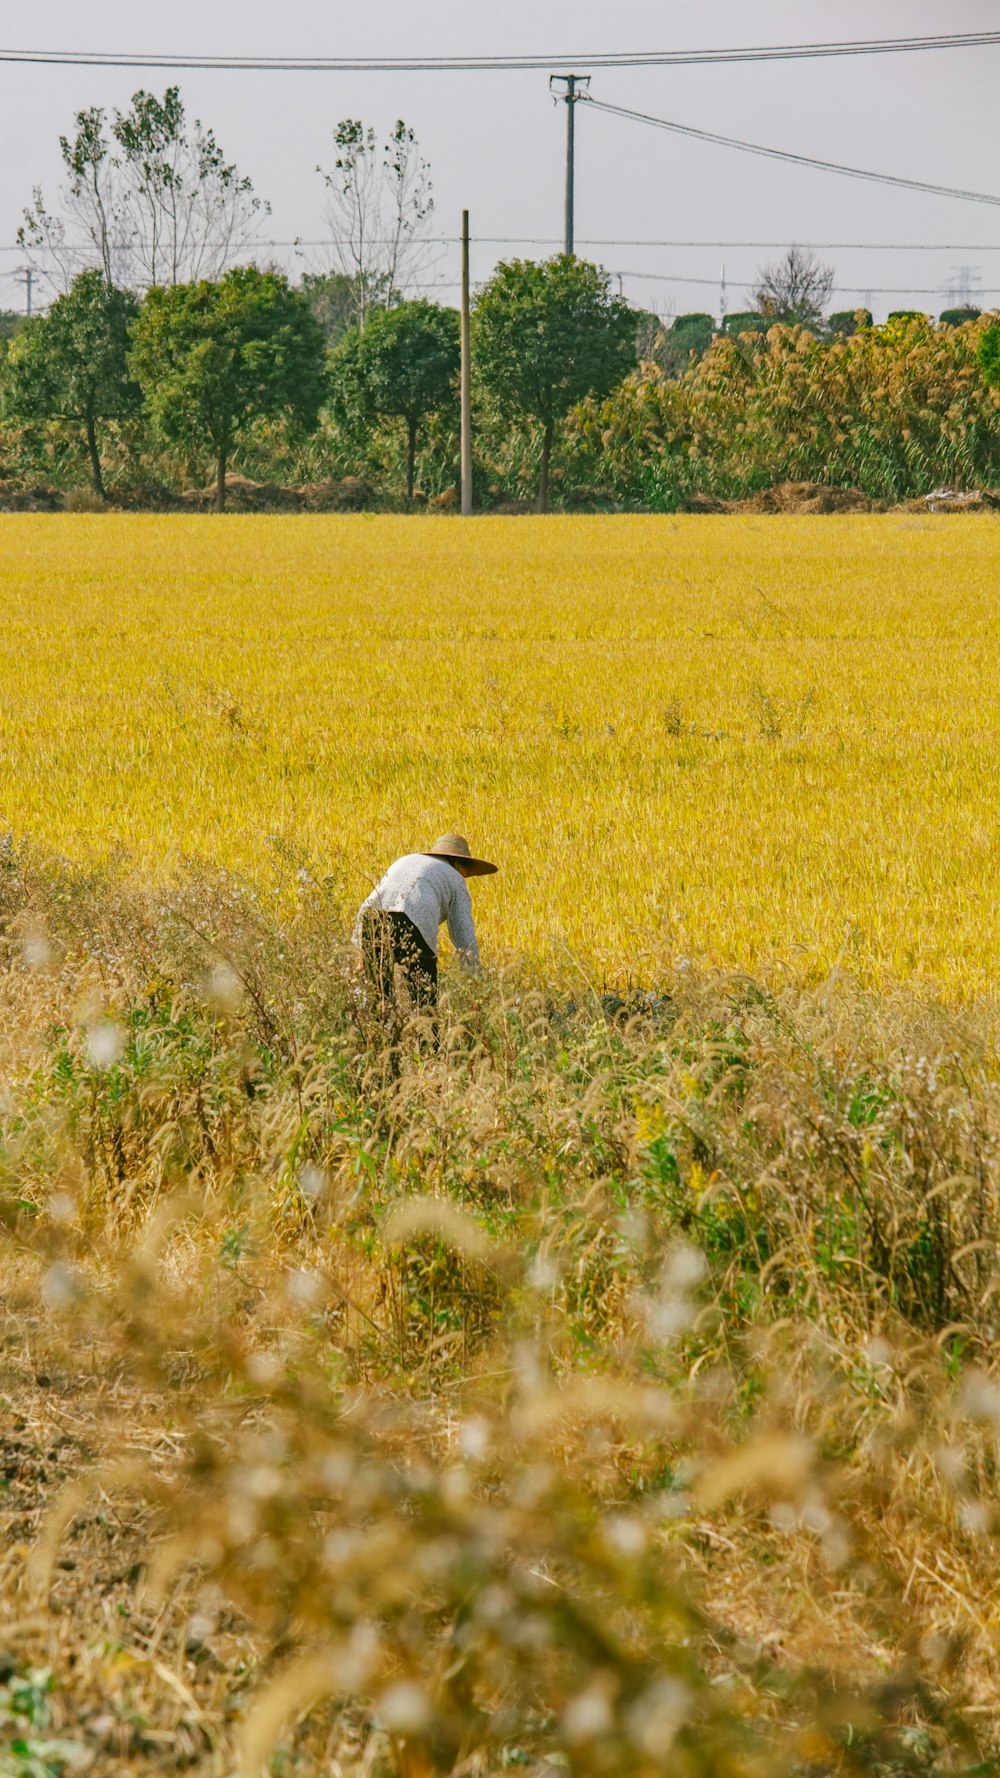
column 333, row 299
column 212, row 358
column 958, row 317
column 795, row 289
column 72, row 363
column 845, row 322
column 744, row 321
column 379, row 202
column 147, row 200
column 404, row 365
column 988, row 355
column 546, row 336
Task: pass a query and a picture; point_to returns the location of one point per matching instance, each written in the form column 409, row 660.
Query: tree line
column 159, row 345
column 241, row 364
column 206, row 362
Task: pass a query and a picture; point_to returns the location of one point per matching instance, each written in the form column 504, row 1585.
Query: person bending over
column 398, row 923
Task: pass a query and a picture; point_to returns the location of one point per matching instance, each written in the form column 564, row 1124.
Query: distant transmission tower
column 27, row 276
column 961, row 293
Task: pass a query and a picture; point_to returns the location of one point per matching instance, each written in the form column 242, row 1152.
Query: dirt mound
column 587, row 496
column 350, row 495
column 449, row 501
column 244, row 495
column 15, row 498
column 956, row 500
column 806, row 497
column 705, row 503
column 146, row 497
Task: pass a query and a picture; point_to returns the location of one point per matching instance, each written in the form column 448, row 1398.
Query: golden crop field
column 762, row 742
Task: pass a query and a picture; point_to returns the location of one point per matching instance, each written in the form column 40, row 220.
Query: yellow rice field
column 765, row 742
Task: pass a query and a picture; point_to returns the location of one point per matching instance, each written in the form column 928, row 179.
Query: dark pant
column 390, row 941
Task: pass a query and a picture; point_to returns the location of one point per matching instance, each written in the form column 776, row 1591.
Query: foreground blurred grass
column 763, row 743
column 607, row 1390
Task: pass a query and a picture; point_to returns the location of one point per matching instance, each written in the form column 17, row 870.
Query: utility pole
column 466, row 375
column 575, row 88
column 26, row 276
column 722, row 301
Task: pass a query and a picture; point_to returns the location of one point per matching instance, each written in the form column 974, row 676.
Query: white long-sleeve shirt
column 429, row 891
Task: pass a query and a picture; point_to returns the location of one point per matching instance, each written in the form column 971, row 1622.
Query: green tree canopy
column 845, row 322
column 403, row 365
column 745, row 321
column 546, row 336
column 72, row 363
column 212, row 358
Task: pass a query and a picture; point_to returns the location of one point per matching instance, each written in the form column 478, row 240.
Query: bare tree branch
column 379, row 202
column 147, row 199
column 795, row 289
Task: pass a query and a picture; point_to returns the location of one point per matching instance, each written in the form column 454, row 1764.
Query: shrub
column 958, row 317
column 847, row 321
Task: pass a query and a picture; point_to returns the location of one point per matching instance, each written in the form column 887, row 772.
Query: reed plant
column 894, row 411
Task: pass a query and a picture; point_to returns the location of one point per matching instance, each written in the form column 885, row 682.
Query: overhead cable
column 610, row 241
column 317, row 64
column 798, row 160
column 836, row 289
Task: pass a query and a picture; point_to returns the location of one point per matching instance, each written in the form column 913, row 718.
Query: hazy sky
column 495, row 142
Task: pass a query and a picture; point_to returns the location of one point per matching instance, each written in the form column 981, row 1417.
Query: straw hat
column 456, row 849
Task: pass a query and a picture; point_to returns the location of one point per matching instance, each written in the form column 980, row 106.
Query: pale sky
column 495, row 141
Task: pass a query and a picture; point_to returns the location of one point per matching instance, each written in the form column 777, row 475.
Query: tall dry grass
column 606, row 1388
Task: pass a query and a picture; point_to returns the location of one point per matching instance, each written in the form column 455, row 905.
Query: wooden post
column 466, row 375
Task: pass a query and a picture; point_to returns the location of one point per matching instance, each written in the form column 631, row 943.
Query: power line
column 663, row 277
column 798, row 160
column 839, row 289
column 658, row 277
column 610, row 241
column 775, row 52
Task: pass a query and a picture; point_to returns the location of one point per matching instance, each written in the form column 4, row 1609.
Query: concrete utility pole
column 575, row 86
column 466, row 375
